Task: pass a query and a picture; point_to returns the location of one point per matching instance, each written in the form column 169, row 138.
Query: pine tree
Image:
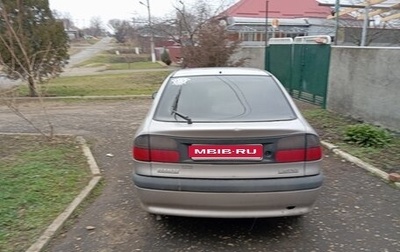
column 33, row 44
column 165, row 57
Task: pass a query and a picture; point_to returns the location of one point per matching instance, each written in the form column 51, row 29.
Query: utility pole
column 337, row 10
column 266, row 23
column 266, row 58
column 153, row 55
column 365, row 25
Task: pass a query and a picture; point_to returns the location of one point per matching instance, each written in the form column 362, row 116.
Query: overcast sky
column 82, row 11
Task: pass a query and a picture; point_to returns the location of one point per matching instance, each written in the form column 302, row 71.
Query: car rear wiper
column 175, row 107
column 185, row 117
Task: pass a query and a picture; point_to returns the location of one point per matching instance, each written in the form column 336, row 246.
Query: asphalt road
column 90, row 51
column 355, row 212
column 87, row 53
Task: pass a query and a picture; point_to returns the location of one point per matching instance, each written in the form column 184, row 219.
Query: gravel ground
column 355, row 212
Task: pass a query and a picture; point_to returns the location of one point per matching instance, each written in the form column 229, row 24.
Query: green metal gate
column 302, row 66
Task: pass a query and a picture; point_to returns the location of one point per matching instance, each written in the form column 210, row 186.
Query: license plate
column 226, row 152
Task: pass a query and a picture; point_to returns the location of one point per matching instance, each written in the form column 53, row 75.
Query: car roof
column 219, row 71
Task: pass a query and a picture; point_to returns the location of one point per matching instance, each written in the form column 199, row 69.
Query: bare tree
column 188, row 20
column 8, row 98
column 65, row 17
column 123, row 30
column 212, row 47
column 351, row 31
column 204, row 41
column 96, row 28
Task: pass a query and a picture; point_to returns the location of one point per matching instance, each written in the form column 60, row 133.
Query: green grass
column 331, row 127
column 141, row 83
column 134, row 65
column 107, row 84
column 121, row 62
column 39, row 178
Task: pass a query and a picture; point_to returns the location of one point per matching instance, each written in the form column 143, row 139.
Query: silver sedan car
column 226, row 143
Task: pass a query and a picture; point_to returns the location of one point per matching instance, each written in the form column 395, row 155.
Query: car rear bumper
column 229, row 185
column 228, row 205
column 228, row 198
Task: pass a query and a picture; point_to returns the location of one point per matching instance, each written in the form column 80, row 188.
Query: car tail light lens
column 298, row 149
column 155, row 149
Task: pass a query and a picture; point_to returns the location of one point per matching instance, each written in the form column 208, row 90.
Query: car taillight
column 155, row 149
column 298, row 148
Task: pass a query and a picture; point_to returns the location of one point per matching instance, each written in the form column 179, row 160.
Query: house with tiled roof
column 286, row 18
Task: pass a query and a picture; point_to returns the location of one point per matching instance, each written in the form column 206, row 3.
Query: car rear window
column 223, row 99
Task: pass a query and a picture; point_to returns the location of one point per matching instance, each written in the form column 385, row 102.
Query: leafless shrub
column 33, row 49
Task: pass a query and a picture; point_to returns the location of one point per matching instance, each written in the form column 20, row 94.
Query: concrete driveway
column 355, row 212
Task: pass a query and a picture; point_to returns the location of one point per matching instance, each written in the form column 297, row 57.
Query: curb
column 94, row 168
column 48, row 234
column 352, row 159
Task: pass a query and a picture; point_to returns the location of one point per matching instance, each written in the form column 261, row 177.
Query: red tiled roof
column 278, row 9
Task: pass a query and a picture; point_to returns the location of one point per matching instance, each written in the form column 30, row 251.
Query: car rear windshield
column 223, row 99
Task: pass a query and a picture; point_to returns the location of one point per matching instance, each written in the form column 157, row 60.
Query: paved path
column 85, row 54
column 355, row 212
column 90, row 51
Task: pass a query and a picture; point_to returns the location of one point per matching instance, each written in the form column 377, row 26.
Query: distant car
column 226, row 143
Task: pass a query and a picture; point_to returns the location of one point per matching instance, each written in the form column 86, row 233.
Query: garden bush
column 366, row 135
